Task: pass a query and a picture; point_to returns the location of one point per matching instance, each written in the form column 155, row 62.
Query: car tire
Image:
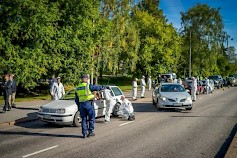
column 77, row 119
column 189, row 108
column 116, row 110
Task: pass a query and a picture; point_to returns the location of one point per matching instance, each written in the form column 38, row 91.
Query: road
column 202, row 132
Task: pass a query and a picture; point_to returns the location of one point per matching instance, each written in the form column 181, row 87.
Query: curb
column 21, row 120
column 232, row 150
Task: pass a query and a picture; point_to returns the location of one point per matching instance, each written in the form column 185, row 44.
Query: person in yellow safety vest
column 84, row 100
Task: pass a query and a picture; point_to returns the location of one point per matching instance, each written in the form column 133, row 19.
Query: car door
column 99, row 105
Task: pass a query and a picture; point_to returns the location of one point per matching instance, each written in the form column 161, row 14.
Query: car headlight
column 188, row 98
column 163, row 98
column 60, row 111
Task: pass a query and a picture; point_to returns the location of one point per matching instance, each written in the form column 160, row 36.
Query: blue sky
column 172, row 9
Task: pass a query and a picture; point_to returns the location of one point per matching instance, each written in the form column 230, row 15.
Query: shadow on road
column 226, row 144
column 24, row 108
column 39, row 134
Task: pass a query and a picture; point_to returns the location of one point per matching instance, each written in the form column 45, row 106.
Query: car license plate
column 177, row 104
column 47, row 116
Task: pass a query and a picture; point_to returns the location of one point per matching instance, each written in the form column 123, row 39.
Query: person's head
column 122, row 97
column 193, row 78
column 135, row 79
column 11, row 76
column 84, row 78
column 53, row 76
column 143, row 76
column 6, row 76
column 58, row 79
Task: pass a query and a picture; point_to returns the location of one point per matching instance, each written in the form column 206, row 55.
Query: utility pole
column 190, row 55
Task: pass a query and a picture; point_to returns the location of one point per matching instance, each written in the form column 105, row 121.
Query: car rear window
column 116, row 91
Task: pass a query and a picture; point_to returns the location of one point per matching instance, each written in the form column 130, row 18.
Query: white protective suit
column 109, row 103
column 194, row 89
column 134, row 89
column 126, row 108
column 143, row 85
column 57, row 91
column 208, row 88
column 149, row 83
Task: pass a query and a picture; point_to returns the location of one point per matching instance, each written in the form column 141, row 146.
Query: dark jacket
column 13, row 86
column 6, row 85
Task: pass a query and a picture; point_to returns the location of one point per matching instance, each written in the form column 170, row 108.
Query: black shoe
column 9, row 108
column 91, row 134
column 3, row 110
column 142, row 97
column 194, row 100
column 14, row 106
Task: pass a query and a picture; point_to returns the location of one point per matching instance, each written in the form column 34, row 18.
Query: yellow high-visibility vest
column 84, row 93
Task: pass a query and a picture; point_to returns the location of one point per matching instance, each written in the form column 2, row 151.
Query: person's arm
column 77, row 99
column 96, row 88
column 63, row 90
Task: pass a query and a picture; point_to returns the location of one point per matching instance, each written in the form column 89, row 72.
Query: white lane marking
column 37, row 152
column 125, row 123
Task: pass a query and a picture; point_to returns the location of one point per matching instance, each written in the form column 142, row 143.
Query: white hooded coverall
column 194, row 89
column 57, row 90
column 143, row 85
column 149, row 83
column 126, row 108
column 134, row 89
column 109, row 104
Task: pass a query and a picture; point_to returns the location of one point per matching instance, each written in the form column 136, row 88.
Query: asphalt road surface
column 203, row 132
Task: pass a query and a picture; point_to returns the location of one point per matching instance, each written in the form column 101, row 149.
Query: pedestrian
column 52, row 80
column 194, row 89
column 57, row 90
column 134, row 89
column 180, row 81
column 84, row 100
column 13, row 89
column 149, row 83
column 127, row 110
column 143, row 86
column 109, row 102
column 207, row 86
column 6, row 85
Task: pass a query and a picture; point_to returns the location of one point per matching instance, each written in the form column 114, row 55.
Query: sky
column 172, row 9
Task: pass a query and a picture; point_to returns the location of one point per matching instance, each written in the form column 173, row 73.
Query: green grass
column 28, row 98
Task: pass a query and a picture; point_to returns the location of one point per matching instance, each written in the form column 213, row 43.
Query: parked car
column 231, row 81
column 65, row 111
column 200, row 87
column 171, row 95
column 218, row 80
column 211, row 84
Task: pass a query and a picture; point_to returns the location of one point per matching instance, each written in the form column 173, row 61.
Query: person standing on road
column 57, row 90
column 149, row 83
column 13, row 88
column 194, row 89
column 127, row 110
column 84, row 100
column 207, row 86
column 51, row 83
column 6, row 85
column 143, row 86
column 109, row 102
column 134, row 89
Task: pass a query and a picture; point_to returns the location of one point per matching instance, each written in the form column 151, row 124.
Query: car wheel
column 116, row 110
column 189, row 108
column 77, row 119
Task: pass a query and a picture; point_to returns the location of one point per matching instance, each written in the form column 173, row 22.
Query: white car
column 65, row 111
column 171, row 95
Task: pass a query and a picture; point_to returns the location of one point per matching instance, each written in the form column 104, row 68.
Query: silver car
column 171, row 95
column 65, row 111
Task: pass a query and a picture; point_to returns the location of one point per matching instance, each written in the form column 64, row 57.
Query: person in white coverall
column 57, row 90
column 207, row 86
column 194, row 89
column 134, row 89
column 127, row 110
column 109, row 104
column 143, row 85
column 149, row 83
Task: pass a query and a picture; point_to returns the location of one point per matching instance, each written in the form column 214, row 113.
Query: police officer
column 84, row 100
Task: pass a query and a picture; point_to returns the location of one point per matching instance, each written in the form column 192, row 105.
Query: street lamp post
column 190, row 55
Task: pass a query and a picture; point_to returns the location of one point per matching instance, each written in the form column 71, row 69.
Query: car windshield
column 69, row 95
column 213, row 77
column 172, row 88
column 116, row 91
column 165, row 76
